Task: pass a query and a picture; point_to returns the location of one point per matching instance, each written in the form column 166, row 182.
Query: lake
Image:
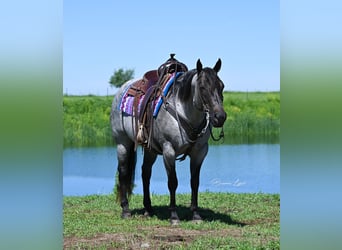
column 246, row 168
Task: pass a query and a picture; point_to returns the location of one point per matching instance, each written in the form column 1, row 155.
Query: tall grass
column 252, row 117
column 86, row 121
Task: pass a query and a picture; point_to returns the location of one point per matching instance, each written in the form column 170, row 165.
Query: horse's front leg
column 146, row 171
column 196, row 161
column 169, row 158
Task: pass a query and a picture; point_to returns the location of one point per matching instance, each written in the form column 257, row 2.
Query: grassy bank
column 230, row 221
column 86, row 120
column 252, row 117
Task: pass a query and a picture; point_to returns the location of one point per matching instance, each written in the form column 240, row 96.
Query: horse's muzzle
column 219, row 118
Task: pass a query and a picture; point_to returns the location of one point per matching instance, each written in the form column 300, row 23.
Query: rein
column 221, row 135
column 192, row 133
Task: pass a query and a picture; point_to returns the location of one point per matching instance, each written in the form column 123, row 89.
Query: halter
column 206, row 110
column 192, row 133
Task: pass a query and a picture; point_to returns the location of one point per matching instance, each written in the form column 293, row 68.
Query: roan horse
column 182, row 127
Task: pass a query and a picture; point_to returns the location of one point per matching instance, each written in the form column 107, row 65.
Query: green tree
column 121, row 76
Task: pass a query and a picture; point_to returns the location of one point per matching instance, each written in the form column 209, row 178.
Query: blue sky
column 102, row 36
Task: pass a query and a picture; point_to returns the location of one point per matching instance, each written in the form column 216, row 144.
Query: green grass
column 253, row 117
column 231, row 221
column 86, row 120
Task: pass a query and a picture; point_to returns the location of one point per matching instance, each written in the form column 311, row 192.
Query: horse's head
column 209, row 93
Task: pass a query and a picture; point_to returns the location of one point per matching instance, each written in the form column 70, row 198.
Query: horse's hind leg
column 126, row 168
column 146, row 170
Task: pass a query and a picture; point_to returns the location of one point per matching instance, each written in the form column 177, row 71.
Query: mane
column 183, row 84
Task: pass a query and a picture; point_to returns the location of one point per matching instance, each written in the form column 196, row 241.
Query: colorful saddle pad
column 127, row 100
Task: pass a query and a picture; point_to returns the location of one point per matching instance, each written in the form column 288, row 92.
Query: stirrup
column 140, row 135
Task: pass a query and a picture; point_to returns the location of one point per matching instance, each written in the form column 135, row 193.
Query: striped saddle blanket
column 127, row 100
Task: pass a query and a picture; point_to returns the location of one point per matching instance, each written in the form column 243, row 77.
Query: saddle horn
column 217, row 66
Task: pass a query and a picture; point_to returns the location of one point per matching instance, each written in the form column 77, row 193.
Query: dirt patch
column 149, row 238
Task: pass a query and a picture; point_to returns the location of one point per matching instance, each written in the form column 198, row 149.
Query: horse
column 183, row 127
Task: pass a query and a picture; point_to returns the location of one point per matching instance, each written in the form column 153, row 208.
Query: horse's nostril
column 220, row 116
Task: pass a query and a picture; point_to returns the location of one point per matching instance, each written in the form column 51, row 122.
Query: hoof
column 126, row 215
column 148, row 213
column 174, row 222
column 174, row 219
column 196, row 217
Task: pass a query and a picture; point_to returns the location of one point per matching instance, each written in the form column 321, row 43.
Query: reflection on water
column 227, row 168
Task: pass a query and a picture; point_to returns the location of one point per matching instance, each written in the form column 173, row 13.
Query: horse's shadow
column 185, row 214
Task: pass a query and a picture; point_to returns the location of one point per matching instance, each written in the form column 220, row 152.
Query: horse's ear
column 217, row 66
column 199, row 66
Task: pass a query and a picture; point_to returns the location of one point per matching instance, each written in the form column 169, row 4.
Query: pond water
column 227, row 168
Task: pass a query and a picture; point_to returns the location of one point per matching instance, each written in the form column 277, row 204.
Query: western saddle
column 151, row 86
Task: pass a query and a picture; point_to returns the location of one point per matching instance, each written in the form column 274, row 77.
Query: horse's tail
column 129, row 177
